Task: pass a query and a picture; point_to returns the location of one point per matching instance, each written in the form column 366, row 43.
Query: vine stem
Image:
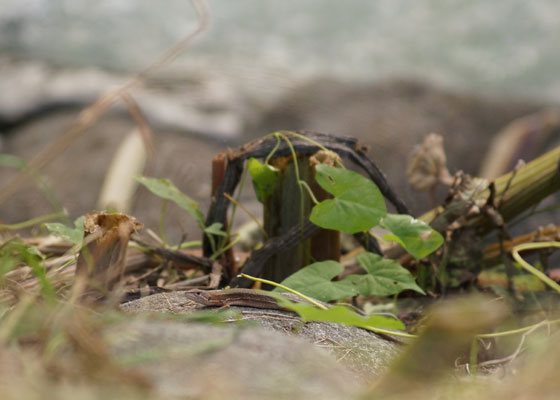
column 223, row 249
column 532, row 246
column 236, row 202
column 296, row 170
column 273, row 149
column 306, row 186
column 308, row 140
column 520, row 330
column 31, row 222
column 253, row 218
column 286, row 288
column 397, row 333
column 322, row 307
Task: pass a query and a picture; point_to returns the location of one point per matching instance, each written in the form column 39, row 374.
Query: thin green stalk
column 269, row 156
column 253, row 218
column 298, row 180
column 33, row 221
column 322, row 307
column 186, row 245
column 520, row 330
column 287, row 289
column 533, row 246
column 67, row 263
column 225, row 248
column 306, row 186
column 235, row 203
column 294, row 156
column 389, row 332
column 305, row 138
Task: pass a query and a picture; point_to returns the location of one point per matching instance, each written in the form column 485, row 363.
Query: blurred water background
column 506, row 47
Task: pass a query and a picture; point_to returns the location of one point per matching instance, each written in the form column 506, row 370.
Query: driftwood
column 345, row 147
column 482, row 207
column 510, row 194
column 175, row 255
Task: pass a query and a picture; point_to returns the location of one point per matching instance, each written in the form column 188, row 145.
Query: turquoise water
column 498, row 47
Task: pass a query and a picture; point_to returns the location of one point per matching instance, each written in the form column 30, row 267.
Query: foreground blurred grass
column 57, row 350
column 51, row 346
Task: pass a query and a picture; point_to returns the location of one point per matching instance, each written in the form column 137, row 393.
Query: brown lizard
column 257, row 299
column 239, row 297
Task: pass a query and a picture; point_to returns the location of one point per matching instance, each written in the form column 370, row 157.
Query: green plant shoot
column 165, row 189
column 73, row 235
column 264, row 177
column 357, row 205
column 415, row 236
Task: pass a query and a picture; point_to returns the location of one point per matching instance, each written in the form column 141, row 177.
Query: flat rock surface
column 194, row 360
column 363, row 352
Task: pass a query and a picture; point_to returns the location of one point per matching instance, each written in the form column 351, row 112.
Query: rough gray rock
column 365, row 353
column 194, row 360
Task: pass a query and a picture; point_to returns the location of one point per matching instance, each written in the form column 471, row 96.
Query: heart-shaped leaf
column 415, row 236
column 357, row 205
column 315, row 280
column 384, row 277
column 340, row 315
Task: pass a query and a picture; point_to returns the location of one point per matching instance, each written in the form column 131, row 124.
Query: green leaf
column 415, row 236
column 264, row 176
column 315, row 280
column 15, row 252
column 73, row 235
column 340, row 315
column 215, row 229
column 384, row 277
column 357, row 205
column 167, row 190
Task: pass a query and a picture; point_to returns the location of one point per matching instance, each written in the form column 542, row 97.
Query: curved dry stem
column 533, row 246
column 93, row 112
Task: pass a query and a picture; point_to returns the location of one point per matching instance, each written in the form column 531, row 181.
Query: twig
column 255, row 264
column 194, row 282
column 173, row 255
column 94, row 111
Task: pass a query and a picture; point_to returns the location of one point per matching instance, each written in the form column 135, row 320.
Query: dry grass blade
column 450, row 330
column 93, row 112
column 120, row 184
